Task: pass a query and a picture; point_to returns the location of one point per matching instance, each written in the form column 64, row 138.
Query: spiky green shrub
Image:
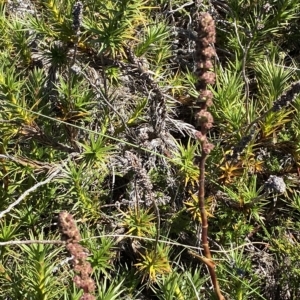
column 98, row 102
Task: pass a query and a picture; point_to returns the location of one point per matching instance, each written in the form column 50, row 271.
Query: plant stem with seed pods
column 204, row 54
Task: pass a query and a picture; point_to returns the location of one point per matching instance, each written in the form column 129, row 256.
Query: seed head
column 77, row 17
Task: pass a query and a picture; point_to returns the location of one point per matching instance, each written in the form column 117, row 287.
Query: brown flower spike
column 204, row 121
column 81, row 266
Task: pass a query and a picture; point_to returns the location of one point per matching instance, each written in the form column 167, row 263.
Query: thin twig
column 180, row 7
column 28, row 242
column 286, row 67
column 26, row 193
column 168, row 242
column 27, row 162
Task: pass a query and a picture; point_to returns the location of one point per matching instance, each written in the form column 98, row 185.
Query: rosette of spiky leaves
column 152, row 34
column 20, row 41
column 193, row 207
column 229, row 171
column 154, row 263
column 55, row 23
column 272, row 124
column 139, row 222
column 101, row 250
column 246, row 196
column 155, row 46
column 97, row 150
column 106, row 289
column 256, row 24
column 183, row 159
column 16, row 103
column 237, row 267
column 111, row 24
column 8, row 232
column 84, row 182
column 270, row 69
column 33, row 277
column 182, row 283
column 229, row 111
column 110, row 290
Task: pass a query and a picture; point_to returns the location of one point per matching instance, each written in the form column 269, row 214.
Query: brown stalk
column 204, row 54
column 204, row 236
